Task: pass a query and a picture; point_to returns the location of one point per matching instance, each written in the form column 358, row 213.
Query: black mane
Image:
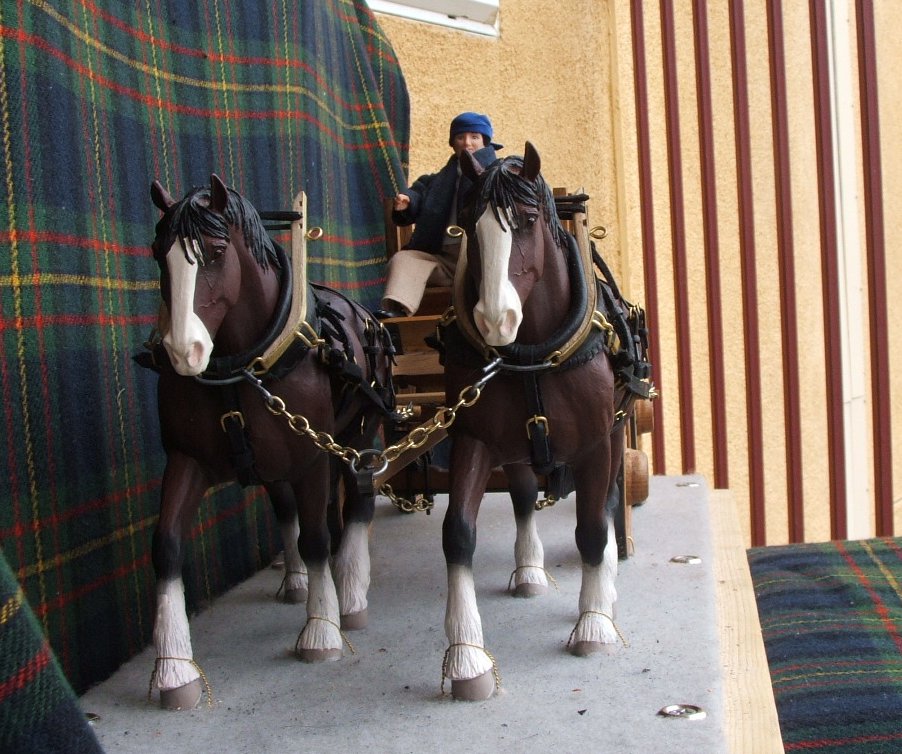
column 192, row 218
column 501, row 186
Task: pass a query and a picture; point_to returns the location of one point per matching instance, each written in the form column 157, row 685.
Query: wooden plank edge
column 751, row 724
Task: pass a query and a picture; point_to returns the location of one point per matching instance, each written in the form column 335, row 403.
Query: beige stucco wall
column 561, row 75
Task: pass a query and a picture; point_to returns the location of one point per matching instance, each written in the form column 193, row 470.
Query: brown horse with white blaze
column 529, row 332
column 227, row 289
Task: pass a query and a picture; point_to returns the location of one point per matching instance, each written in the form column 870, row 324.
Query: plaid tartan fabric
column 831, row 615
column 97, row 99
column 38, row 710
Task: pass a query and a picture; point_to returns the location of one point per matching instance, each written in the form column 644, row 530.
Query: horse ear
column 469, row 165
column 219, row 194
column 532, row 163
column 160, row 196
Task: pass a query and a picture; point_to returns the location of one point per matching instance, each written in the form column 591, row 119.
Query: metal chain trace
column 444, row 417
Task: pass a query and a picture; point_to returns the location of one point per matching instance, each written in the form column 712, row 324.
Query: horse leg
column 529, row 577
column 294, row 578
column 320, row 639
column 351, row 564
column 598, row 548
column 177, row 675
column 467, row 663
column 618, row 443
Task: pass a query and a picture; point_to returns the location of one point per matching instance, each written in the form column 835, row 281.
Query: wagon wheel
column 644, row 415
column 635, row 476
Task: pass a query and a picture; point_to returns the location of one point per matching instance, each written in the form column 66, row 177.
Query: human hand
column 402, row 202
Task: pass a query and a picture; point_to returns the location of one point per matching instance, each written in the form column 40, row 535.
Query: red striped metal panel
column 827, row 201
column 786, row 258
column 678, row 238
column 876, row 257
column 640, row 84
column 783, row 256
column 716, row 362
column 749, row 273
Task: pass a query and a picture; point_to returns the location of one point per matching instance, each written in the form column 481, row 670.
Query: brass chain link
column 421, row 503
column 300, row 425
column 444, row 417
column 546, row 502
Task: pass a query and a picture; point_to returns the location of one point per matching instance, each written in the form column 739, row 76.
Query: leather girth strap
column 537, row 429
column 240, row 450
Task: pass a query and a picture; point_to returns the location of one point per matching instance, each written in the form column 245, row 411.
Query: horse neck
column 254, row 309
column 548, row 304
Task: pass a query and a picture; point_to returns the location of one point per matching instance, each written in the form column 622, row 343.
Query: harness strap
column 240, row 450
column 560, row 482
column 344, row 367
column 537, row 428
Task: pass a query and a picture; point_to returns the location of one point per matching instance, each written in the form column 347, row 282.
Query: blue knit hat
column 475, row 123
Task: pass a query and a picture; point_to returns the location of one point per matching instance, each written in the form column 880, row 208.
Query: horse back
column 359, row 354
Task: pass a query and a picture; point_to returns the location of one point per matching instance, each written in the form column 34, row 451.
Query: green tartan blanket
column 38, row 709
column 97, row 99
column 831, row 617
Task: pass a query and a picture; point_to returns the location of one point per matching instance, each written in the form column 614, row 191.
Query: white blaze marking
column 498, row 312
column 188, row 343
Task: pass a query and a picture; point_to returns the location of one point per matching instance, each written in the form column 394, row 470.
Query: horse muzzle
column 499, row 321
column 189, row 351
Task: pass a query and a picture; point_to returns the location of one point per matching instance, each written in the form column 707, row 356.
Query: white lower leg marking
column 597, row 597
column 295, row 571
column 463, row 627
column 352, row 569
column 322, row 628
column 529, row 554
column 172, row 638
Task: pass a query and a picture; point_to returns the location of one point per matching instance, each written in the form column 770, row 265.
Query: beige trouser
column 410, row 271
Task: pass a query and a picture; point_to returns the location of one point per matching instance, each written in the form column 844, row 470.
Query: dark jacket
column 430, row 202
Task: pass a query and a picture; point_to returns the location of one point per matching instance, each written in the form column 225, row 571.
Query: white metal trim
column 476, row 16
column 859, row 511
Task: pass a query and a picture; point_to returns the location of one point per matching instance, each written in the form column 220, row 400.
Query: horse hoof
column 182, row 698
column 586, row 648
column 475, row 689
column 294, row 596
column 355, row 621
column 319, row 655
column 529, row 589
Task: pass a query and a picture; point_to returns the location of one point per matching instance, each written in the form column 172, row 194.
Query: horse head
column 508, row 221
column 200, row 245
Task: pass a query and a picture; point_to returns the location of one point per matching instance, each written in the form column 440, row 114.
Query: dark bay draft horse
column 227, row 289
column 533, row 331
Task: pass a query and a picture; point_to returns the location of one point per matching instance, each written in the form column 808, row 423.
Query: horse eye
column 216, row 251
